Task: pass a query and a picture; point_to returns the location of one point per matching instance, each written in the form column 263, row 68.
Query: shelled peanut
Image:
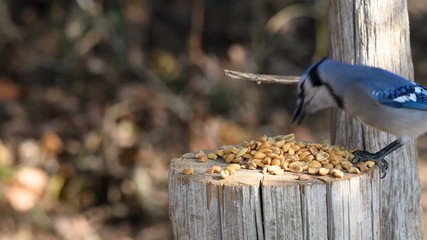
column 276, row 155
column 230, row 169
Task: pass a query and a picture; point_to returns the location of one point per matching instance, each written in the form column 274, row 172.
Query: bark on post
column 377, row 33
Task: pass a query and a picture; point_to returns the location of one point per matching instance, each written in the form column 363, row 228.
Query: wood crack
column 261, row 207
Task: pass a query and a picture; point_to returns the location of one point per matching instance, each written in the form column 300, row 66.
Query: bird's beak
column 298, row 114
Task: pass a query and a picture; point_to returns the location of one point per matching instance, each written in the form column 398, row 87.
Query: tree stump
column 252, row 205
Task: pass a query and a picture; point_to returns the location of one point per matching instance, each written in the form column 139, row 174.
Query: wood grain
column 252, row 205
column 376, row 33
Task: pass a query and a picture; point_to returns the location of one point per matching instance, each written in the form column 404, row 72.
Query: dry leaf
column 52, row 143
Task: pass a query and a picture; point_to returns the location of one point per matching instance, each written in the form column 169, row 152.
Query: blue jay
column 375, row 96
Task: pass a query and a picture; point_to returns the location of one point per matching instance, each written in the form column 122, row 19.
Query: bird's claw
column 383, row 166
column 362, row 156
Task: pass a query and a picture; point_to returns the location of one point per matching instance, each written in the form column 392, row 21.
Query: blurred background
column 96, row 97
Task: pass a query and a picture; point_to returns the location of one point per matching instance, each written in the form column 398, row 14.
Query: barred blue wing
column 411, row 96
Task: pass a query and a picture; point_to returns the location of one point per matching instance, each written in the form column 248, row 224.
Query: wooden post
column 252, row 205
column 376, row 33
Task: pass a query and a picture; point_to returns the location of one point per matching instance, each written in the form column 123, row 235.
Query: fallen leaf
column 52, row 143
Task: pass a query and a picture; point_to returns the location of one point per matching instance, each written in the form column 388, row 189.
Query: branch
column 260, row 78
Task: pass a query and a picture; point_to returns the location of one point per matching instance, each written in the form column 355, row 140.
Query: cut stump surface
column 252, row 205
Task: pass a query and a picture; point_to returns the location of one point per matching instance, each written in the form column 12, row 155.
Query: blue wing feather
column 411, row 96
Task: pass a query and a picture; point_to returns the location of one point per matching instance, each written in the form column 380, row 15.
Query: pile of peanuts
column 280, row 154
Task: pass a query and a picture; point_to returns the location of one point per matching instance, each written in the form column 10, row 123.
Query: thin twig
column 261, row 78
